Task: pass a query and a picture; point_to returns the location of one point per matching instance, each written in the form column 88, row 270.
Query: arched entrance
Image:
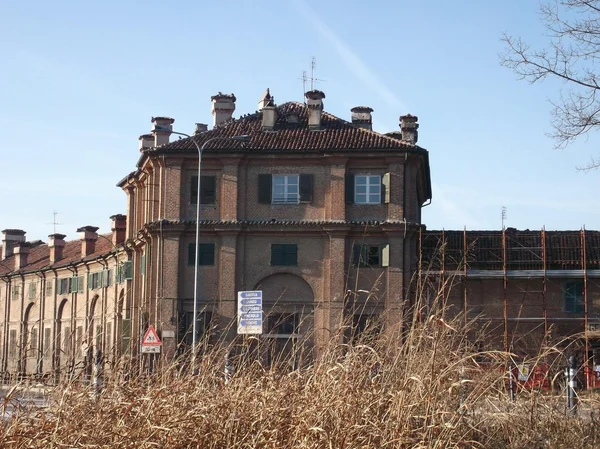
column 288, row 320
column 63, row 340
column 29, row 342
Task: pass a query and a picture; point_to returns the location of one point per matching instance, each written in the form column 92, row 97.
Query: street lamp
column 242, row 138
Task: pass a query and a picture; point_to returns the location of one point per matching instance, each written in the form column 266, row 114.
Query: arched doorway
column 29, row 342
column 63, row 341
column 288, row 320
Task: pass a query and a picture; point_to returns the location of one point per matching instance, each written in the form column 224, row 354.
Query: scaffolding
column 539, row 259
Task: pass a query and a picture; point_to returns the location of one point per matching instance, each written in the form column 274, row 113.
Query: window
column 32, row 290
column 64, row 286
column 108, row 347
column 208, row 189
column 206, row 254
column 67, row 342
column 33, row 344
column 285, row 189
column 47, row 333
column 282, row 323
column 49, row 283
column 367, row 189
column 12, row 345
column 95, row 280
column 15, row 292
column 364, row 325
column 574, row 296
column 371, row 255
column 106, row 278
column 124, row 272
column 284, row 254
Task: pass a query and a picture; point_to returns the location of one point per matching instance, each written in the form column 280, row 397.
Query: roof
column 335, row 134
column 39, row 256
column 279, row 223
column 524, row 250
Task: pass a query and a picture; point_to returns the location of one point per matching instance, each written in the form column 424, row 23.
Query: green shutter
column 306, row 188
column 127, row 270
column 143, row 265
column 73, row 281
column 264, row 189
column 208, row 189
column 385, row 188
column 385, row 255
column 349, row 189
column 80, row 284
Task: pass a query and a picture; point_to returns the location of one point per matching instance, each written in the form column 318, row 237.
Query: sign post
column 250, row 312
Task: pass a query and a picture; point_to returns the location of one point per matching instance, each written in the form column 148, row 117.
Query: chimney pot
column 362, row 118
column 21, row 252
column 119, row 228
column 88, row 236
column 146, row 141
column 200, row 128
column 314, row 102
column 165, row 126
column 409, row 127
column 56, row 243
column 10, row 237
column 223, row 106
column 266, row 100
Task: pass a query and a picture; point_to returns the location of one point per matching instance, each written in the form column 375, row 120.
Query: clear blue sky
column 80, row 81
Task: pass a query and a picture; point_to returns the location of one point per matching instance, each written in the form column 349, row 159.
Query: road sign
column 151, row 338
column 250, row 312
column 150, row 349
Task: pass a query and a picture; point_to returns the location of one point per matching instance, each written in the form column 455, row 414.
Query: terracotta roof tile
column 335, row 135
column 39, row 256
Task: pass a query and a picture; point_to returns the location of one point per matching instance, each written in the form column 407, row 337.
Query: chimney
column 118, row 227
column 162, row 127
column 56, row 243
column 361, row 117
column 409, row 127
column 266, row 100
column 21, row 251
column 200, row 128
column 88, row 236
column 314, row 102
column 146, row 141
column 223, row 106
column 10, row 237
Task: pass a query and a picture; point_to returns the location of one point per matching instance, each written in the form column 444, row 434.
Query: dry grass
column 375, row 393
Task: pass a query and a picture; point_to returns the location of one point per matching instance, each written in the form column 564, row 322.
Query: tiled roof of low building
column 39, row 256
column 524, row 250
column 334, row 134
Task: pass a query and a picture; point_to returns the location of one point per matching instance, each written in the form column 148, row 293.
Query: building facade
column 321, row 214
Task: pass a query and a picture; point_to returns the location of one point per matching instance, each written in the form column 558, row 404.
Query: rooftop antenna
column 54, row 222
column 312, row 79
column 503, row 215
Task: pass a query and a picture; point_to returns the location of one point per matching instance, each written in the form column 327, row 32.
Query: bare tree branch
column 572, row 55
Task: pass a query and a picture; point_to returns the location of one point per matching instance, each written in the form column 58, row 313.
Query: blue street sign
column 246, row 309
column 251, row 301
column 251, row 322
column 250, row 312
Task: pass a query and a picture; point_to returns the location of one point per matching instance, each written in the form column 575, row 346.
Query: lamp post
column 200, row 149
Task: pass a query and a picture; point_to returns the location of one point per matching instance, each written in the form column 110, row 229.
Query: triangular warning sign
column 151, row 338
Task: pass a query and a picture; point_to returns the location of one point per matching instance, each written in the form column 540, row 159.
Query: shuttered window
column 284, row 255
column 285, row 189
column 371, row 255
column 208, row 189
column 573, row 292
column 206, row 254
column 367, row 189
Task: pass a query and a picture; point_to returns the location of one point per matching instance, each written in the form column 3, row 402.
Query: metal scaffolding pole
column 544, row 285
column 443, row 273
column 505, row 282
column 464, row 282
column 585, row 309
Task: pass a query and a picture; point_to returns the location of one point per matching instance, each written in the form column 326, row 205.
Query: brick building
column 321, row 214
column 312, row 207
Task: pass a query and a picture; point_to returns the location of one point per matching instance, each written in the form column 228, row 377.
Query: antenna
column 312, row 79
column 54, row 222
column 503, row 215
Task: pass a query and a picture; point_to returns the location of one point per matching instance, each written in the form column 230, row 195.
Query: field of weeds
column 428, row 392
